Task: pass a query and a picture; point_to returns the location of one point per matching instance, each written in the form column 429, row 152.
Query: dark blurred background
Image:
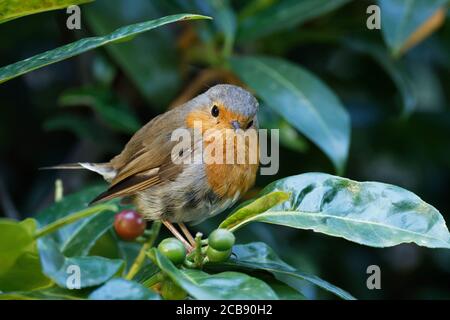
column 87, row 107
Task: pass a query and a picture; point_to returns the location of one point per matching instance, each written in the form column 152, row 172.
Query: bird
column 183, row 191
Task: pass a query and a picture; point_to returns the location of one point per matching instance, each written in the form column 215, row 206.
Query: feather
column 103, row 169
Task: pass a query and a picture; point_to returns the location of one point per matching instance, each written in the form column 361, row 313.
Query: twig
column 139, row 261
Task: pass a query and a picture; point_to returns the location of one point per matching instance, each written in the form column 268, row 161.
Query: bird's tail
column 103, row 169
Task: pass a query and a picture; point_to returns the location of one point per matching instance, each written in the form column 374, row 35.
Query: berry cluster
column 130, row 225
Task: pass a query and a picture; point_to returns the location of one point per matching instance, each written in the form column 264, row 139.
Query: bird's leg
column 175, row 232
column 186, row 232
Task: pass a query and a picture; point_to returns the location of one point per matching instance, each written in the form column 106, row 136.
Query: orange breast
column 228, row 179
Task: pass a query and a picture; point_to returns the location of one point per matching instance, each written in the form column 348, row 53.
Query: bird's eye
column 215, row 111
column 249, row 124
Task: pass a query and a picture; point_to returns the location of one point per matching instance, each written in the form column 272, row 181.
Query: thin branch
column 139, row 261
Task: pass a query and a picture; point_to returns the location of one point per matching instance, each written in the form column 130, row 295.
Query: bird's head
column 222, row 107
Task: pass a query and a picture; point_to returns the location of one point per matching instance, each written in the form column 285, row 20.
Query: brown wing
column 146, row 159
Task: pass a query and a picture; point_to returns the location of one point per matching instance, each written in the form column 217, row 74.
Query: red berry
column 129, row 225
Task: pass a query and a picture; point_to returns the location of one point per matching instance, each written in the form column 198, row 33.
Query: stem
column 52, row 227
column 59, row 190
column 189, row 264
column 198, row 258
column 194, row 252
column 139, row 261
column 227, row 49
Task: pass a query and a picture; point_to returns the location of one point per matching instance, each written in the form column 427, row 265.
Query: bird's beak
column 235, row 124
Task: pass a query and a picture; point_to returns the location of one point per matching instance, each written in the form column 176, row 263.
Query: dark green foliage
column 371, row 105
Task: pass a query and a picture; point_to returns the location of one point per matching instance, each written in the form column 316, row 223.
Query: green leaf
column 253, row 208
column 20, row 268
column 69, row 205
column 259, row 256
column 16, row 69
column 13, row 9
column 369, row 213
column 86, row 235
column 15, row 239
column 52, row 293
column 107, row 246
column 302, row 99
column 82, row 127
column 395, row 69
column 225, row 285
column 400, row 19
column 93, row 270
column 24, row 274
column 283, row 291
column 115, row 113
column 206, row 31
column 283, row 15
column 121, row 289
column 231, row 285
column 76, row 238
column 289, row 136
column 128, row 252
column 224, row 20
column 149, row 61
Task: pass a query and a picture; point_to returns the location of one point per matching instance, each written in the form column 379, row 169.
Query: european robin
column 177, row 192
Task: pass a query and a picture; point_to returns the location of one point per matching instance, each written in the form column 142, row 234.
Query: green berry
column 216, row 255
column 173, row 249
column 221, row 239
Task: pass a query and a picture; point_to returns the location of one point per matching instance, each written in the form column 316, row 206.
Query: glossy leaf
column 86, row 235
column 93, row 270
column 254, row 208
column 106, row 246
column 25, row 273
column 206, row 31
column 302, row 99
column 149, row 61
column 115, row 113
column 223, row 18
column 259, row 256
column 283, row 291
column 15, row 239
column 128, row 251
column 401, row 19
column 70, row 204
column 82, row 127
column 369, row 213
column 283, row 15
column 20, row 268
column 231, row 285
column 225, row 285
column 16, row 69
column 121, row 289
column 395, row 69
column 289, row 136
column 13, row 9
column 51, row 293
